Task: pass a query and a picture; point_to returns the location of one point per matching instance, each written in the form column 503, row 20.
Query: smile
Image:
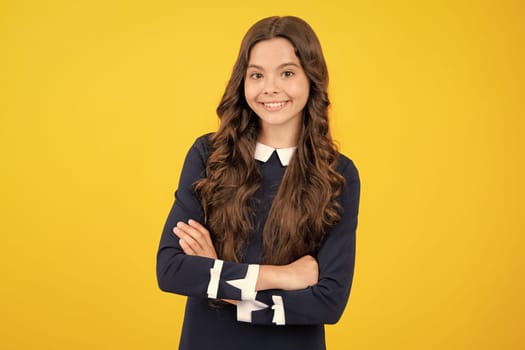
column 274, row 106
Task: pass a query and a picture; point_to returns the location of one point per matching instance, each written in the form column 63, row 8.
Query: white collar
column 264, row 152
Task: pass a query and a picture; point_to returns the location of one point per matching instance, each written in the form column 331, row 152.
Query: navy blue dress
column 270, row 319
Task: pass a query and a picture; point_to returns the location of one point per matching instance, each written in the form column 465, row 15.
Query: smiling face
column 276, row 88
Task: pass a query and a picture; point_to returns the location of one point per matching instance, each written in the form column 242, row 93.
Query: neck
column 276, row 137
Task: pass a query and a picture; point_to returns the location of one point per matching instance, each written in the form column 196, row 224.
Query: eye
column 256, row 76
column 288, row 74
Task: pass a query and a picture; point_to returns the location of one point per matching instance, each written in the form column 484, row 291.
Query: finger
column 198, row 236
column 196, row 225
column 180, row 232
column 188, row 238
column 186, row 248
column 191, row 247
column 203, row 230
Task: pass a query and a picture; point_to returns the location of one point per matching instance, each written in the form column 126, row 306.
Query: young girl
column 261, row 237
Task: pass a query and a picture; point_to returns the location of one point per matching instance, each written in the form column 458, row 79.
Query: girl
column 261, row 237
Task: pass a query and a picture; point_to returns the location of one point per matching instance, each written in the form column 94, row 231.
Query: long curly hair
column 305, row 205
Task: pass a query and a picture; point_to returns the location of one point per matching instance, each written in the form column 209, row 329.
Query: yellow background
column 100, row 101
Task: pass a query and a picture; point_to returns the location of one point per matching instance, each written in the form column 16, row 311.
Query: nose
column 270, row 86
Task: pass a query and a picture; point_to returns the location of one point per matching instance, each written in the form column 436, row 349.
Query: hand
column 195, row 239
column 301, row 273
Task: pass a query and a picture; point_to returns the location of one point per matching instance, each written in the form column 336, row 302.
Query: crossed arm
column 195, row 240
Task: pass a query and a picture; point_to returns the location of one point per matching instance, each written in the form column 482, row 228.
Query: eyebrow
column 279, row 67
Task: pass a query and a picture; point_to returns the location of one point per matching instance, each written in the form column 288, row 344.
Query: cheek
column 301, row 91
column 249, row 92
column 301, row 85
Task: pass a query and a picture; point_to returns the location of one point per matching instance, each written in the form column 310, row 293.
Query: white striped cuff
column 215, row 277
column 278, row 310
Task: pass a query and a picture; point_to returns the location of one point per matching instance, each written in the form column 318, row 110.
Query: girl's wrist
column 272, row 277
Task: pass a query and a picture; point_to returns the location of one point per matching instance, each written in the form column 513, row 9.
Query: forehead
column 273, row 51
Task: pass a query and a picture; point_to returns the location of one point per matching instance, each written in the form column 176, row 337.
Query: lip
column 274, row 106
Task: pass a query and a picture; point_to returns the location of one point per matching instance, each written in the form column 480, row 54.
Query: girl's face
column 276, row 87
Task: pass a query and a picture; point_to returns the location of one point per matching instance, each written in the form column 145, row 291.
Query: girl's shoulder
column 347, row 167
column 202, row 145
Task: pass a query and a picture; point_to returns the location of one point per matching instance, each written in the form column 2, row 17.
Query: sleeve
column 324, row 302
column 192, row 275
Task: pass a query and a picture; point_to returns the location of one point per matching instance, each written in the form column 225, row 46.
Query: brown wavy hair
column 305, row 205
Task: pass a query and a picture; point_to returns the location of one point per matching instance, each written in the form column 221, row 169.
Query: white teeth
column 274, row 104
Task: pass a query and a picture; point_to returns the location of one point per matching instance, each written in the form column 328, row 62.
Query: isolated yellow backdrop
column 100, row 101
